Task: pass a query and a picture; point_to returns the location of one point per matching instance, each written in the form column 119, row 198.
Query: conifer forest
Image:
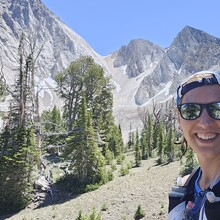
column 82, row 136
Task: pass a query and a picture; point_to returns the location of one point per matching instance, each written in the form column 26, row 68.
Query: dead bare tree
column 32, row 57
column 143, row 115
column 157, row 114
column 24, row 93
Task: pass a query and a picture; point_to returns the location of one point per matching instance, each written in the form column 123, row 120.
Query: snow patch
column 166, row 89
column 45, row 89
column 164, row 92
column 123, row 69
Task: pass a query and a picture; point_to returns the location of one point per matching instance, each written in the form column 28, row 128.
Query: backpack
column 187, row 191
column 210, row 210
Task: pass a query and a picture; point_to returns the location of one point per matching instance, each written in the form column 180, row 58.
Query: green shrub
column 93, row 216
column 139, row 213
column 124, row 169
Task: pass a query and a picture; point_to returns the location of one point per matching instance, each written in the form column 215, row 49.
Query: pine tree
column 169, row 149
column 149, row 135
column 115, row 141
column 130, row 143
column 19, row 152
column 156, row 124
column 144, row 145
column 133, row 140
column 96, row 163
column 87, row 162
column 190, row 163
column 84, row 75
column 137, row 151
column 17, row 163
column 161, row 142
column 52, row 125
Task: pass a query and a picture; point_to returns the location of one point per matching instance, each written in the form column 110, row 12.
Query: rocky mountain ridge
column 192, row 50
column 61, row 44
column 141, row 71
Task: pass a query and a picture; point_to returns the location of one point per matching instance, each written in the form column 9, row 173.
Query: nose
column 205, row 118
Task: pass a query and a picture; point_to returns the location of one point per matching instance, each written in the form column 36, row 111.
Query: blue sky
column 107, row 25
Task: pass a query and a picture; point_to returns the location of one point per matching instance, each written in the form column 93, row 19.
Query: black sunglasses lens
column 190, row 111
column 214, row 110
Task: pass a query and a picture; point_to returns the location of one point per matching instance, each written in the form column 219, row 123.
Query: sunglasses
column 192, row 111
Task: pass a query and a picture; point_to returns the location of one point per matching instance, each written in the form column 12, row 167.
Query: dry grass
column 119, row 199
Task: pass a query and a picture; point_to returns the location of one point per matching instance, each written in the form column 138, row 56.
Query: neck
column 210, row 173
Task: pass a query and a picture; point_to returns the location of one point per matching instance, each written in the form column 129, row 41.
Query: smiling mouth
column 206, row 137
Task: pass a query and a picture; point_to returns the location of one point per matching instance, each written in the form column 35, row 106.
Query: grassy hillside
column 119, row 199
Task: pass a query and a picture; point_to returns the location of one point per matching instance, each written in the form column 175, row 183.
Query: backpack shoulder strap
column 192, row 176
column 216, row 189
column 190, row 185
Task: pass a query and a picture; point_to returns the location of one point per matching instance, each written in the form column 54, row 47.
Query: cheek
column 185, row 126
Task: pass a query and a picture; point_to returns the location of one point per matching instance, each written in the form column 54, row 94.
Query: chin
column 208, row 152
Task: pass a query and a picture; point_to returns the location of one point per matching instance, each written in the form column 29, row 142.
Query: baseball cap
column 198, row 79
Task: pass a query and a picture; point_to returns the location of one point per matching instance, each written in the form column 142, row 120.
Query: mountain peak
column 141, row 70
column 138, row 55
column 31, row 17
column 189, row 28
column 196, row 34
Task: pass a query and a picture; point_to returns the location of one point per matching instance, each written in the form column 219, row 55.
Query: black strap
column 216, row 189
column 190, row 185
column 191, row 176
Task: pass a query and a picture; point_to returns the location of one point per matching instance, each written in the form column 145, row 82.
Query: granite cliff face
column 151, row 74
column 191, row 51
column 138, row 56
column 141, row 70
column 61, row 45
column 43, row 29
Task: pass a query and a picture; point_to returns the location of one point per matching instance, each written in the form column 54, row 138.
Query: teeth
column 206, row 136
